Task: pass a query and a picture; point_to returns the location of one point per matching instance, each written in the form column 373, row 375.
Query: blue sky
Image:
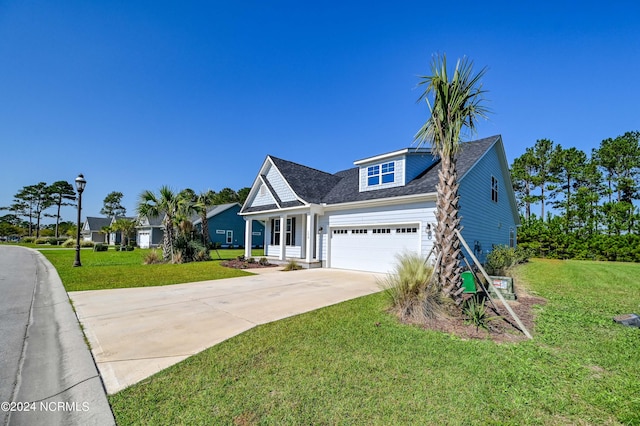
column 138, row 94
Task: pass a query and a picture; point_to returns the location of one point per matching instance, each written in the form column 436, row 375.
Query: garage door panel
column 144, row 239
column 372, row 248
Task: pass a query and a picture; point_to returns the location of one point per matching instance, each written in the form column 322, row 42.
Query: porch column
column 283, row 237
column 247, row 237
column 311, row 236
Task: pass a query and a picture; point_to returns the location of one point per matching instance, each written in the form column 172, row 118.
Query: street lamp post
column 80, row 184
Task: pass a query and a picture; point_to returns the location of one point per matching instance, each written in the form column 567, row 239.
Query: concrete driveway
column 136, row 332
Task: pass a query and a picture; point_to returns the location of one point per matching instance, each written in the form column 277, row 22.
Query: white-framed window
column 494, row 189
column 229, row 237
column 381, row 173
column 275, row 232
column 373, row 175
column 290, row 238
column 512, row 237
column 388, row 172
column 359, row 231
column 340, row 231
column 289, row 232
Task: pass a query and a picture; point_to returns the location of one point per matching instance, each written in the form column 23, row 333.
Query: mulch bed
column 501, row 330
column 243, row 264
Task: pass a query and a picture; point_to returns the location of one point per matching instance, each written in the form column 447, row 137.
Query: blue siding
column 416, row 164
column 483, row 220
column 229, row 220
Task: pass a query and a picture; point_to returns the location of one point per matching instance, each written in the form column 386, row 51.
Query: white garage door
column 144, row 239
column 372, row 248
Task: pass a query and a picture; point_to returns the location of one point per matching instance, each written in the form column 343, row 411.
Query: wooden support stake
column 486, row 277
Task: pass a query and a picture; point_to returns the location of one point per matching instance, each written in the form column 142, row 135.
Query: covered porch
column 288, row 235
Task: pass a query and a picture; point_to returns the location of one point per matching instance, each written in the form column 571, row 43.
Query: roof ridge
column 300, row 165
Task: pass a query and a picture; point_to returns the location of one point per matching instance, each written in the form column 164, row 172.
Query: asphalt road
column 47, row 373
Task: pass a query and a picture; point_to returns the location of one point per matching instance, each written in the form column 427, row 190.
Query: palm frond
column 455, row 104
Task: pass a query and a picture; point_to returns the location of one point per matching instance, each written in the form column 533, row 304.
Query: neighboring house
column 228, row 229
column 361, row 218
column 115, row 237
column 149, row 231
column 92, row 229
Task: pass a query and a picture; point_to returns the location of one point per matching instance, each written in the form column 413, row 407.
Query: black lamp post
column 80, row 184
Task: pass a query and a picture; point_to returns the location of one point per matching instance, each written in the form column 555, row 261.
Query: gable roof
column 315, row 186
column 150, row 221
column 97, row 223
column 115, row 218
column 215, row 210
column 308, row 183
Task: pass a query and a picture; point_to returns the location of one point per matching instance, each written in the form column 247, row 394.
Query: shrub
column 292, row 265
column 202, row 254
column 86, row 243
column 475, row 309
column 100, row 247
column 53, row 241
column 41, row 240
column 251, row 260
column 152, row 257
column 189, row 250
column 69, row 242
column 264, row 261
column 28, row 239
column 503, row 258
column 408, row 288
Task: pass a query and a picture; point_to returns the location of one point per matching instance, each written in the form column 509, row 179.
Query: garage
column 144, row 239
column 372, row 248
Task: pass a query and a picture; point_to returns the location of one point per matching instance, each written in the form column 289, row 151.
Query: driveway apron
column 136, row 332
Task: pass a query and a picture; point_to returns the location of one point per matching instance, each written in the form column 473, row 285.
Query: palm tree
column 106, row 231
column 166, row 203
column 204, row 200
column 126, row 228
column 454, row 104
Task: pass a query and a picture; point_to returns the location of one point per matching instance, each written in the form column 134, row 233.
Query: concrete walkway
column 136, row 332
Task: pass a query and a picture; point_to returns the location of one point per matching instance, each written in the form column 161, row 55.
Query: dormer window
column 381, row 173
column 373, row 174
column 388, row 172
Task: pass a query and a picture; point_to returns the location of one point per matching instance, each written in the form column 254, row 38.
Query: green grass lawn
column 112, row 269
column 353, row 364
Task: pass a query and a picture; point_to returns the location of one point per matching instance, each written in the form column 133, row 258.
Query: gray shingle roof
column 97, row 223
column 309, row 184
column 315, row 186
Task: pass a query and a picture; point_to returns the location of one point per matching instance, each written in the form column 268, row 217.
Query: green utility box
column 469, row 282
column 504, row 285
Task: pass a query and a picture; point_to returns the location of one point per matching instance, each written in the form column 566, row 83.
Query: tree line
column 587, row 202
column 32, row 203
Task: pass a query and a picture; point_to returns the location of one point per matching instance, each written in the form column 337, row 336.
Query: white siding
column 280, row 186
column 290, row 251
column 263, row 197
column 419, row 213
